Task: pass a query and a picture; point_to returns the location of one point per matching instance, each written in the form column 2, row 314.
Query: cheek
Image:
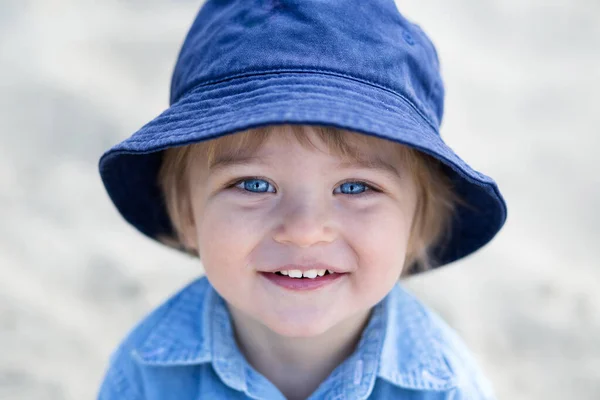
column 379, row 226
column 226, row 235
column 379, row 236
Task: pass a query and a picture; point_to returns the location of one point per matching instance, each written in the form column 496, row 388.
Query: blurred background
column 77, row 76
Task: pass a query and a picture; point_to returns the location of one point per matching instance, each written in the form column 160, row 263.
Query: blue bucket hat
column 352, row 64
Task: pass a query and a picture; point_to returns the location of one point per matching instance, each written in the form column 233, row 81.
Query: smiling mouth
column 308, row 274
column 308, row 280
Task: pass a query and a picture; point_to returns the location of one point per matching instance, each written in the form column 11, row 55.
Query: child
column 301, row 160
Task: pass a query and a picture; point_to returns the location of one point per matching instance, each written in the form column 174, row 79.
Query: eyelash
column 370, row 189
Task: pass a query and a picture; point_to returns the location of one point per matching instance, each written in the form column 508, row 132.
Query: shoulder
column 471, row 382
column 470, row 378
column 434, row 357
column 122, row 378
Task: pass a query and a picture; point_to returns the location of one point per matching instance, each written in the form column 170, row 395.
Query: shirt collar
column 183, row 334
column 413, row 355
column 196, row 329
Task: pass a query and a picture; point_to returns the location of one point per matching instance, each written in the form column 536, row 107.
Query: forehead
column 343, row 147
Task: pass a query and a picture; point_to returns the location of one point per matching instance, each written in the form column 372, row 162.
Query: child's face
column 290, row 205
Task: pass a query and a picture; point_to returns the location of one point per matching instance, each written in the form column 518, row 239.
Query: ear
column 188, row 231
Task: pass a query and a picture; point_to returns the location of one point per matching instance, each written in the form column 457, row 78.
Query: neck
column 296, row 365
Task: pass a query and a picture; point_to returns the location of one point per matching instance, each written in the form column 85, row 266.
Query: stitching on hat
column 170, row 134
column 218, row 125
column 162, row 134
column 182, row 122
column 192, row 87
column 390, row 107
column 370, row 83
column 212, row 123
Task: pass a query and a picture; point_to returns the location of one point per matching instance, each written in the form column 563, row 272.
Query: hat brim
column 129, row 170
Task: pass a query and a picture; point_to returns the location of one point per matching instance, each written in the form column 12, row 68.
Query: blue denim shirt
column 185, row 349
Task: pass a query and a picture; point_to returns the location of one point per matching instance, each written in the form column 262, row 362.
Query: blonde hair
column 436, row 199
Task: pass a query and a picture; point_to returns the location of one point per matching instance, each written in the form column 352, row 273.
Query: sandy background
column 76, row 76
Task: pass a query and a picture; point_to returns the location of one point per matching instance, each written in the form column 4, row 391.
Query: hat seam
column 219, row 123
column 217, row 116
column 247, row 96
column 218, row 126
column 193, row 87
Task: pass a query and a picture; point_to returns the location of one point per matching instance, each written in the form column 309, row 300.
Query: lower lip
column 301, row 284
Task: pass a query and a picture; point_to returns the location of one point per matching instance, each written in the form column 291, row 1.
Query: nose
column 305, row 222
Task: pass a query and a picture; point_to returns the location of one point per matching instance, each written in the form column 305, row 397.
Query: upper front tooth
column 330, row 271
column 311, row 273
column 283, row 272
column 321, row 272
column 295, row 273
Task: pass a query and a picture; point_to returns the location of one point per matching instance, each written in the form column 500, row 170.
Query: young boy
column 301, row 161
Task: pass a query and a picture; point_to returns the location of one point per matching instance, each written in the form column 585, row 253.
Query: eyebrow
column 225, row 162
column 374, row 164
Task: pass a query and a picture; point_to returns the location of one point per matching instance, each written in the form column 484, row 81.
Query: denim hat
column 352, row 64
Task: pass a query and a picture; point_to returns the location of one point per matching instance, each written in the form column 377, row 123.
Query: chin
column 299, row 328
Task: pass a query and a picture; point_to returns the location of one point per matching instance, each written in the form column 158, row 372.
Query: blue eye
column 255, row 185
column 353, row 188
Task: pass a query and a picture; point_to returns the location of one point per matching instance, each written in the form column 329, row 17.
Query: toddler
column 300, row 160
